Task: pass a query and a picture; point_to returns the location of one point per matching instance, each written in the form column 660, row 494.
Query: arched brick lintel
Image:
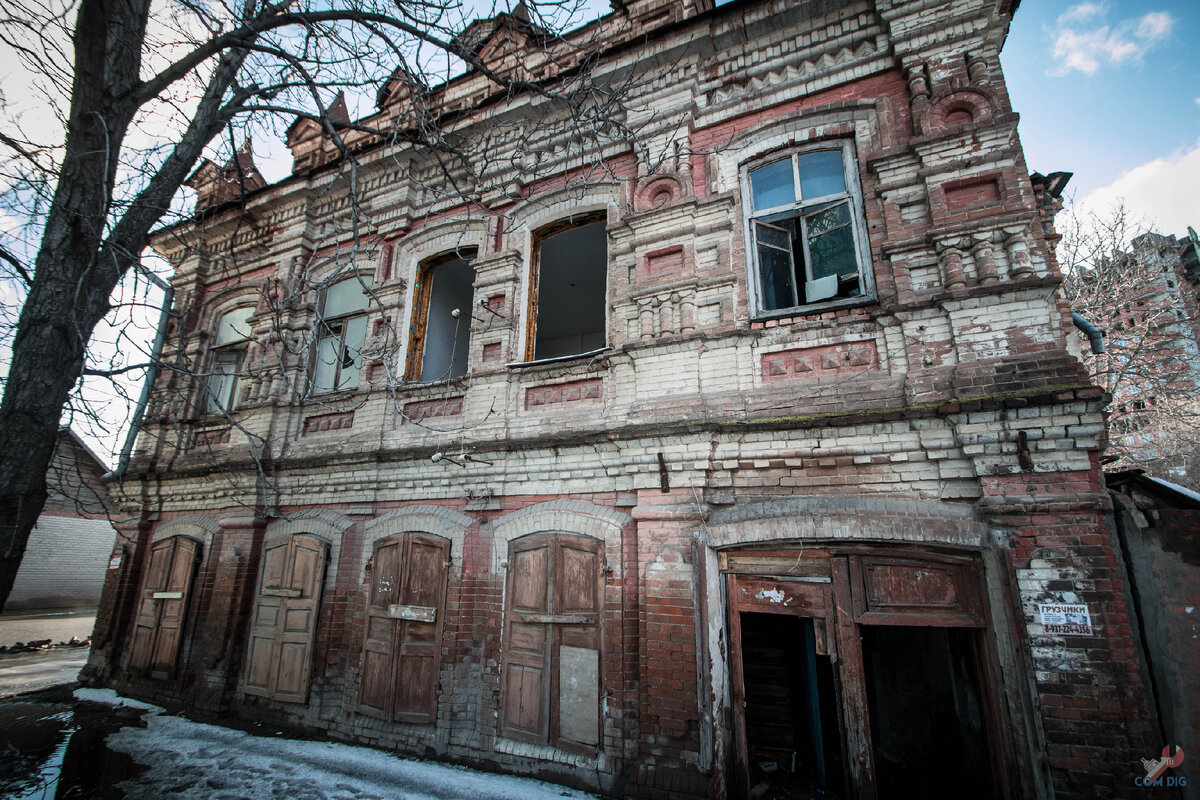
column 858, row 519
column 562, row 516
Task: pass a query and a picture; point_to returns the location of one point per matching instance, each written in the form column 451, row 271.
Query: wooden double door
column 403, row 643
column 284, row 627
column 862, row 675
column 162, row 607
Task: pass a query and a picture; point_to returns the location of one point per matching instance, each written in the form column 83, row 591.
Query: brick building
column 734, row 459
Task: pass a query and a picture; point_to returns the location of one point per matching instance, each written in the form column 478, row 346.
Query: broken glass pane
column 773, row 185
column 821, row 174
column 325, row 370
column 831, row 242
column 356, row 334
column 223, row 382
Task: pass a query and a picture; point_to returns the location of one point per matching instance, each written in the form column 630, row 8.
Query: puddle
column 52, row 747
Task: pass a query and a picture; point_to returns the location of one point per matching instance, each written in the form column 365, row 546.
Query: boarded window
column 402, row 651
column 551, row 675
column 567, row 308
column 440, row 344
column 285, row 618
column 163, row 606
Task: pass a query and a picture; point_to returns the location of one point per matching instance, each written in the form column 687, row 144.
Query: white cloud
column 1161, row 191
column 1083, row 41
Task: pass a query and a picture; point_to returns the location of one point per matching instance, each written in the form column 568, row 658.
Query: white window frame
column 751, row 216
column 225, row 367
column 335, row 329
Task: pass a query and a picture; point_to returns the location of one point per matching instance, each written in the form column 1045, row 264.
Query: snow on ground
column 205, row 762
column 110, row 698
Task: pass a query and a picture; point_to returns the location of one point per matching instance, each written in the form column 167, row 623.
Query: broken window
column 159, row 625
column 402, row 648
column 229, row 352
column 569, row 284
column 806, row 240
column 550, row 682
column 440, row 342
column 341, row 332
column 284, row 626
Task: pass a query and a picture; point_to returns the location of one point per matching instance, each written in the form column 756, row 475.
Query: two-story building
column 732, row 449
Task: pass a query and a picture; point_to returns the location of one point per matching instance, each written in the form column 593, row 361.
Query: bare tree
column 145, row 90
column 1124, row 279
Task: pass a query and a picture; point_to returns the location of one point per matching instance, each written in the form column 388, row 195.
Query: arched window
column 569, row 285
column 440, row 344
column 341, row 332
column 228, row 359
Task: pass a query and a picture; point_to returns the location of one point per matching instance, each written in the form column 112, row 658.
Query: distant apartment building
column 1153, row 332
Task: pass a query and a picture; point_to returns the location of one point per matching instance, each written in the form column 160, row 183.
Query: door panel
column 551, row 680
column 424, row 588
column 279, row 657
column 161, row 614
column 402, row 648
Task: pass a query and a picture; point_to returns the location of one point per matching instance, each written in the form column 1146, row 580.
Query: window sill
column 558, row 359
column 814, row 309
column 331, row 398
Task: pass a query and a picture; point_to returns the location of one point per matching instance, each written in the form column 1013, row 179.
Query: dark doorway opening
column 927, row 719
column 793, row 743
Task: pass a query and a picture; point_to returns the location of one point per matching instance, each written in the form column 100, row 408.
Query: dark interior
column 792, row 735
column 927, row 720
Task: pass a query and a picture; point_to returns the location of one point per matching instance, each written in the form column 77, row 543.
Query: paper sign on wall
column 1070, row 620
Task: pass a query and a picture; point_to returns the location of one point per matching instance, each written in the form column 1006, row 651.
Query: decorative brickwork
column 573, row 392
column 212, row 436
column 917, row 457
column 842, row 359
column 441, row 407
column 972, row 194
column 329, row 422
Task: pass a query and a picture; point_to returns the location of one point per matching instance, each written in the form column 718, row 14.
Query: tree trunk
column 71, row 284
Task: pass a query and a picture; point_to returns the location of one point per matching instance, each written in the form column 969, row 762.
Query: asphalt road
column 26, row 672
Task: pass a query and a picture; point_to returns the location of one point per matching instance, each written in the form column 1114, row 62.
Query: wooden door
column 159, row 625
column 805, row 597
column 402, row 651
column 551, row 674
column 283, row 630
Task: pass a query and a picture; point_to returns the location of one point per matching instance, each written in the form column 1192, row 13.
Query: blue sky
column 1111, row 92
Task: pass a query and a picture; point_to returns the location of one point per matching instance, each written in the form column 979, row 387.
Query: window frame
column 232, row 353
column 336, row 326
column 422, row 294
column 852, row 195
column 536, row 239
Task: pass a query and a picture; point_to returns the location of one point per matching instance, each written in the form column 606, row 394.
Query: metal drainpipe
column 160, row 336
column 1095, row 336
